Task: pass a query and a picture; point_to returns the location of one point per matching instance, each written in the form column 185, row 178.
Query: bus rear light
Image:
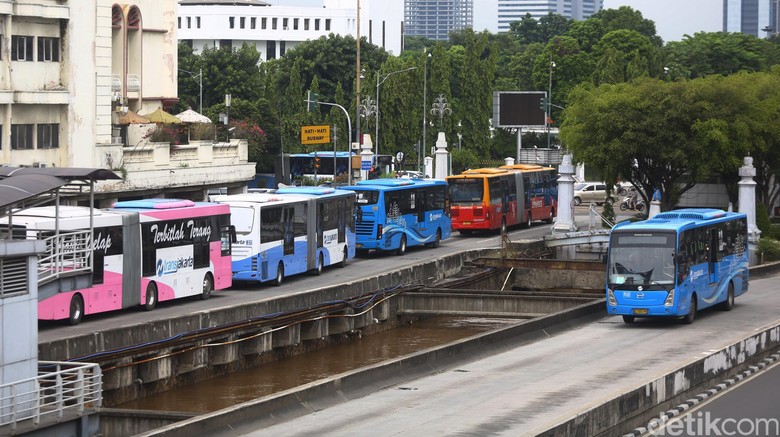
column 669, row 299
column 379, row 232
column 611, row 297
column 478, row 211
column 455, row 212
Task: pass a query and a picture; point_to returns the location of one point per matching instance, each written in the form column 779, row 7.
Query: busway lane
column 530, row 388
column 363, row 266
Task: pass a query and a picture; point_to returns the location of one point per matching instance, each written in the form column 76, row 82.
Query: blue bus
column 289, row 231
column 677, row 263
column 393, row 214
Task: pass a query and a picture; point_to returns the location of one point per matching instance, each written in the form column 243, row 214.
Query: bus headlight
column 669, row 299
column 611, row 297
column 379, row 232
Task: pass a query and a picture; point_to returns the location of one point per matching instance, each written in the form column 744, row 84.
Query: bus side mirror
column 233, row 238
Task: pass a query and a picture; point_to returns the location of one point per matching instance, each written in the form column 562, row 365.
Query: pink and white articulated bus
column 137, row 253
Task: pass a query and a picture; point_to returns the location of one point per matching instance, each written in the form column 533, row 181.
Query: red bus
column 494, row 198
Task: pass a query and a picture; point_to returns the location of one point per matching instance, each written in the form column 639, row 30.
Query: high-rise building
column 435, row 19
column 515, row 10
column 753, row 17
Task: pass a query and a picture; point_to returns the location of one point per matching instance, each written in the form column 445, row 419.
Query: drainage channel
column 224, row 391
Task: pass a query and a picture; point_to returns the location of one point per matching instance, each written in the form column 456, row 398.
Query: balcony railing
column 61, row 389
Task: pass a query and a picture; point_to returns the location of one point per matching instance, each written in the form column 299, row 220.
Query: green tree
column 622, row 55
column 626, row 17
column 476, row 91
column 707, row 53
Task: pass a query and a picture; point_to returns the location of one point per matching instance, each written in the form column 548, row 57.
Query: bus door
column 417, row 199
column 713, row 244
column 343, row 210
column 504, row 197
column 288, row 216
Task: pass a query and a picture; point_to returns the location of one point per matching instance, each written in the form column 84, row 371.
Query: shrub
column 164, row 133
column 769, row 249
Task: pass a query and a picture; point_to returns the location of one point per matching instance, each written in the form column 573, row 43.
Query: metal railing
column 66, row 253
column 59, row 388
column 594, row 213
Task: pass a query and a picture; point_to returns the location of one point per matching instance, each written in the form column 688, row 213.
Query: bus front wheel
column 629, row 319
column 208, row 286
column 151, row 297
column 691, row 316
column 402, row 248
column 318, row 268
column 76, row 309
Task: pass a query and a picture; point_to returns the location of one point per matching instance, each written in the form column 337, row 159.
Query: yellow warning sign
column 315, row 134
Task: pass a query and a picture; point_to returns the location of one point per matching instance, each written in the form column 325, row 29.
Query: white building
column 275, row 29
column 753, row 17
column 515, row 10
column 69, row 69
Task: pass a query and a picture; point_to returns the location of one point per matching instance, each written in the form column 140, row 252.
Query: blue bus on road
column 289, row 231
column 393, row 214
column 677, row 263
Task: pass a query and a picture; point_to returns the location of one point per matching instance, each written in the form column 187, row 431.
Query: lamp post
column 425, row 104
column 380, row 82
column 200, row 84
column 549, row 105
column 367, row 108
column 441, row 108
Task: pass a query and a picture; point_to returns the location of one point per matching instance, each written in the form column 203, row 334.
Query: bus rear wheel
column 76, row 309
column 728, row 304
column 435, row 243
column 402, row 248
column 691, row 316
column 343, row 262
column 279, row 275
column 629, row 319
column 208, row 286
column 151, row 296
column 549, row 220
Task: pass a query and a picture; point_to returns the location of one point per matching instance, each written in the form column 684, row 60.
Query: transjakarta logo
column 166, row 267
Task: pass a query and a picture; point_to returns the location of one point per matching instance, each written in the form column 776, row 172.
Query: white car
column 588, row 192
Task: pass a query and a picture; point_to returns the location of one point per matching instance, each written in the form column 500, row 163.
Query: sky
column 673, row 18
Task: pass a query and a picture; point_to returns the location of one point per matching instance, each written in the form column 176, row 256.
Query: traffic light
column 311, row 101
column 543, row 104
column 316, row 162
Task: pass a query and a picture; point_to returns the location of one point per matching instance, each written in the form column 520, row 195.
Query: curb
column 701, row 397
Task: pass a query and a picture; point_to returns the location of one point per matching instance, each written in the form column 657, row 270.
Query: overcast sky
column 673, row 18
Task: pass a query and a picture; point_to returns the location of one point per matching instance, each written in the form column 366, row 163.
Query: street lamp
column 380, row 82
column 548, row 114
column 367, row 108
column 199, row 76
column 425, row 104
column 349, row 129
column 441, row 108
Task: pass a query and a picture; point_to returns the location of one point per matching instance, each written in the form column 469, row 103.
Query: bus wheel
column 528, row 220
column 688, row 319
column 76, row 309
column 343, row 262
column 279, row 275
column 549, row 220
column 629, row 319
column 402, row 248
column 208, row 287
column 318, row 269
column 502, row 228
column 151, row 297
column 728, row 304
column 437, row 241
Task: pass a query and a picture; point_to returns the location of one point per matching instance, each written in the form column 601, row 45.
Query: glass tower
column 435, row 19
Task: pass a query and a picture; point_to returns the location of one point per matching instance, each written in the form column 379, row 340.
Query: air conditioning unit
column 39, row 165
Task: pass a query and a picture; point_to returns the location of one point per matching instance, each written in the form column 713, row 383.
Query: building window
column 21, row 48
column 48, row 49
column 197, row 22
column 327, row 24
column 226, row 44
column 242, row 22
column 285, row 23
column 232, row 22
column 253, row 22
column 316, row 24
column 270, row 50
column 273, row 23
column 305, row 24
column 21, row 136
column 282, row 48
column 189, row 22
column 178, row 19
column 48, row 136
column 263, row 23
column 295, row 24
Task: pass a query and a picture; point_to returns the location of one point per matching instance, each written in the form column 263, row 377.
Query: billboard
column 515, row 109
column 315, row 134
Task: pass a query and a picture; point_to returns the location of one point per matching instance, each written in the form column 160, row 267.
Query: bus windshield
column 465, row 190
column 641, row 258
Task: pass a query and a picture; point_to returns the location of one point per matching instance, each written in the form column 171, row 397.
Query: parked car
column 591, row 192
